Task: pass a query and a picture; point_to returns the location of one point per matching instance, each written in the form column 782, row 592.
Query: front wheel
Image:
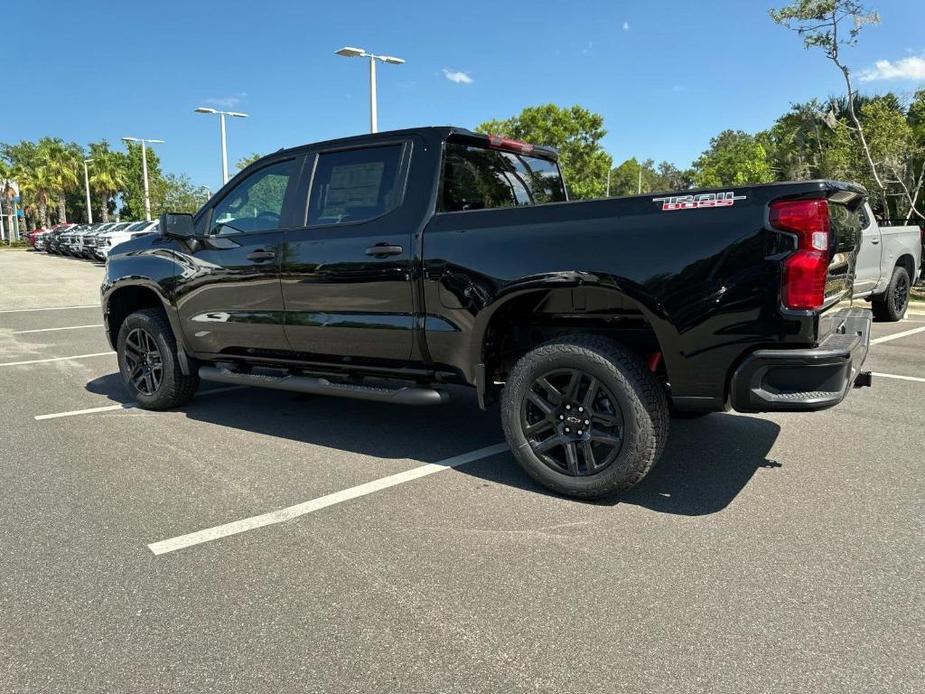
column 147, row 353
column 584, row 417
column 891, row 307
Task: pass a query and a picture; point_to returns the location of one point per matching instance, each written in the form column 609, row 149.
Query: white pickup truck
column 887, row 266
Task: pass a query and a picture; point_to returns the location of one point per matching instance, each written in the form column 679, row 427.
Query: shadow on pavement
column 706, row 463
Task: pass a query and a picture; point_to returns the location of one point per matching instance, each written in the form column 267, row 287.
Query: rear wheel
column 147, row 353
column 892, row 306
column 584, row 417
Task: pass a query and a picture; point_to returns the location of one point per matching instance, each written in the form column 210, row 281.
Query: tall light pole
column 221, row 115
column 350, row 52
column 144, row 167
column 87, row 190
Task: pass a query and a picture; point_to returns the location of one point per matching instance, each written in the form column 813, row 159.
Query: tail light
column 805, row 270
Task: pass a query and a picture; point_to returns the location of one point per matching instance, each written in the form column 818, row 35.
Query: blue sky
column 666, row 76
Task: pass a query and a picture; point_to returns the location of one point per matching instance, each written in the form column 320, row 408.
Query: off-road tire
column 640, row 396
column 890, row 307
column 175, row 388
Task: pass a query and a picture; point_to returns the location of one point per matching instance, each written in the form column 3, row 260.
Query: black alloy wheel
column 144, row 361
column 572, row 422
column 900, row 294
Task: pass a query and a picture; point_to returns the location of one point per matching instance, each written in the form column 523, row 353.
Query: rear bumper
column 804, row 380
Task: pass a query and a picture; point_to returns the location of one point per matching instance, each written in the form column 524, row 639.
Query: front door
column 230, row 300
column 347, row 271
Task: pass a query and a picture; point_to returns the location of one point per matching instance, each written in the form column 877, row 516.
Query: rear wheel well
column 907, row 262
column 535, row 318
column 125, row 301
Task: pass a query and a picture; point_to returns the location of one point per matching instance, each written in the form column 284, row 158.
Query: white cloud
column 626, row 26
column 457, row 76
column 226, row 101
column 911, row 68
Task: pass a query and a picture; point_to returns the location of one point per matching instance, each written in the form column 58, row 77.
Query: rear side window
column 476, row 178
column 354, row 185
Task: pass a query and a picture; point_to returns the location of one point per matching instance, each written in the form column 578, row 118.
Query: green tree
column 107, row 175
column 633, row 177
column 133, row 195
column 734, row 158
column 60, row 161
column 575, row 132
column 833, row 26
column 244, row 162
column 179, row 195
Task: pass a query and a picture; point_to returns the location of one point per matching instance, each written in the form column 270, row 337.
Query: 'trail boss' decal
column 699, row 201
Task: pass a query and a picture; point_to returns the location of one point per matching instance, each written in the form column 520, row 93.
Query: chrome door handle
column 381, row 250
column 261, row 255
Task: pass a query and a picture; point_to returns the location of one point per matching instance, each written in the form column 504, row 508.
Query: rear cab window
column 355, row 185
column 480, row 177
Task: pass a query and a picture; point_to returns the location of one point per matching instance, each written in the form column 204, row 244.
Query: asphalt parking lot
column 350, row 547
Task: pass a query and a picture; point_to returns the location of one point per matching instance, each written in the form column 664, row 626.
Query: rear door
column 867, row 271
column 229, row 299
column 346, row 272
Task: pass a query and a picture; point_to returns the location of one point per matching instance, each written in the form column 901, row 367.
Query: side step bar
column 408, row 395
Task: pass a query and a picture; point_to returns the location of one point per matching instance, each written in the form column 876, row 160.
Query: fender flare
column 650, row 309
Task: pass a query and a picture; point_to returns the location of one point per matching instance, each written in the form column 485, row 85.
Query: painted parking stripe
column 905, row 333
column 47, row 308
column 123, row 406
column 915, row 379
column 45, row 361
column 286, row 514
column 51, row 330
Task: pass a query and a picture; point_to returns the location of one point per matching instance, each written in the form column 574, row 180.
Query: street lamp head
column 351, row 52
column 236, row 114
column 130, row 139
column 87, row 161
column 391, row 59
column 203, row 109
column 160, row 142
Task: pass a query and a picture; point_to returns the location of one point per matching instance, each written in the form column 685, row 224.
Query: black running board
column 408, row 395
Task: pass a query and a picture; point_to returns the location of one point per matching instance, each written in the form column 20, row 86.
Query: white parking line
column 47, row 308
column 123, row 406
column 285, row 514
column 51, row 330
column 899, row 378
column 45, row 361
column 896, row 336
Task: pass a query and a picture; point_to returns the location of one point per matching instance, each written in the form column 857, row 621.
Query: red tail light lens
column 806, row 269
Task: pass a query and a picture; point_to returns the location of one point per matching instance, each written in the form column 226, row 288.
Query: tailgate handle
column 381, row 250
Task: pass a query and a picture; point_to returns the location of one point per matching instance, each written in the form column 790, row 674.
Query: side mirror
column 177, row 224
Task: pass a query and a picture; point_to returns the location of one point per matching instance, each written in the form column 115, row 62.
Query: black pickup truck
column 386, row 266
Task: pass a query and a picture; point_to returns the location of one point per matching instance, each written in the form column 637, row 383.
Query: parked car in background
column 889, row 262
column 108, row 240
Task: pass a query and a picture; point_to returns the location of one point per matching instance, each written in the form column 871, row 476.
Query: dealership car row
column 90, row 241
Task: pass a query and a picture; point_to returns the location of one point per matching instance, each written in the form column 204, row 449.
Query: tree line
column 50, row 178
column 877, row 141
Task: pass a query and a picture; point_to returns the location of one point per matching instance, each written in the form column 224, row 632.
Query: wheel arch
column 129, row 296
column 562, row 305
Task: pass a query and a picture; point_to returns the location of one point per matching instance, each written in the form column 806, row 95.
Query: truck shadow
column 706, row 462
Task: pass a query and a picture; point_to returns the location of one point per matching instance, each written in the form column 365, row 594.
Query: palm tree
column 36, row 185
column 108, row 174
column 60, row 162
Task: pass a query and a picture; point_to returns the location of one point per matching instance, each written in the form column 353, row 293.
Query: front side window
column 477, row 178
column 256, row 203
column 354, row 185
